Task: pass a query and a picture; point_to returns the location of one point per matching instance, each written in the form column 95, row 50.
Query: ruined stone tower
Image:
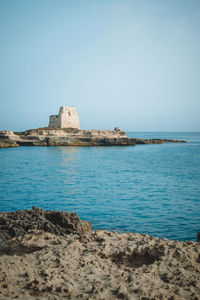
column 67, row 118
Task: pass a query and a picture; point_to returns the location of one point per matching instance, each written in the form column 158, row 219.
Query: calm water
column 153, row 189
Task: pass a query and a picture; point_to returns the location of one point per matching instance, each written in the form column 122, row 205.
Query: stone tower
column 67, row 118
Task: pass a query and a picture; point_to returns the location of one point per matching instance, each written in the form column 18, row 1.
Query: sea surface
column 152, row 189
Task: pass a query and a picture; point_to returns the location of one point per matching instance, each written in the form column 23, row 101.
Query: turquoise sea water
column 152, row 189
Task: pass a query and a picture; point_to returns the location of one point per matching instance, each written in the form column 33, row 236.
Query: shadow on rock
column 18, row 223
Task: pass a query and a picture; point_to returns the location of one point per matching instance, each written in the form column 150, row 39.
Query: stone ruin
column 67, row 118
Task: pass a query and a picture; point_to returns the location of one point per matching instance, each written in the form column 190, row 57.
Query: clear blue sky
column 128, row 63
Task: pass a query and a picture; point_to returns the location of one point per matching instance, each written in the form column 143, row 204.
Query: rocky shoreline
column 55, row 255
column 73, row 137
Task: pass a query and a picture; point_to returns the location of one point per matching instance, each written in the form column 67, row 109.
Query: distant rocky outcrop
column 72, row 137
column 118, row 129
column 14, row 224
column 8, row 139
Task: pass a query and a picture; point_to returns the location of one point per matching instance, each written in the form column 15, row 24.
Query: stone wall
column 67, row 118
column 54, row 121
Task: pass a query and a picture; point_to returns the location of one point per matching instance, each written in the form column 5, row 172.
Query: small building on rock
column 67, row 118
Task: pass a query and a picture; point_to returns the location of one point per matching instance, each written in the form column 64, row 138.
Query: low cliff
column 72, row 137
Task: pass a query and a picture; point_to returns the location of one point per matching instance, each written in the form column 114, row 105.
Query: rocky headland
column 55, row 255
column 73, row 137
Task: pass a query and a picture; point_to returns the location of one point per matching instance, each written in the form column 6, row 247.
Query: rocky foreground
column 72, row 137
column 55, row 255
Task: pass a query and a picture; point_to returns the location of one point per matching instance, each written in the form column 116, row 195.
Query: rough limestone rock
column 117, row 129
column 13, row 224
column 74, row 137
column 99, row 265
column 8, row 139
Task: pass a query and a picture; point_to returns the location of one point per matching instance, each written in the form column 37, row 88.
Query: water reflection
column 68, row 155
column 67, row 169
